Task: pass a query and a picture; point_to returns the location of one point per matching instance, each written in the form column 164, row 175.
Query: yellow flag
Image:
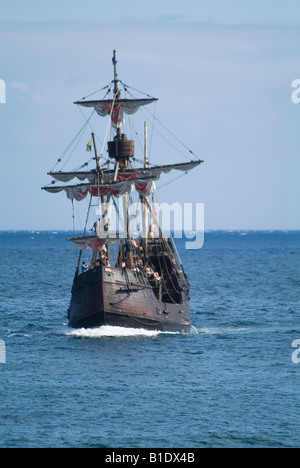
column 89, row 146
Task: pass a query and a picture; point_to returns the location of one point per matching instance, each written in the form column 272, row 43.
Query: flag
column 89, row 146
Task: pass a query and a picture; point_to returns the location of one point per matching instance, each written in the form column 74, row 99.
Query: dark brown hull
column 109, row 296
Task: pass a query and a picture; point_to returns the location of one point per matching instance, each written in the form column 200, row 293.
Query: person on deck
column 151, row 232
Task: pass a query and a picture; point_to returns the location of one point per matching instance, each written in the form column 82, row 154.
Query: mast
column 116, row 81
column 98, row 160
column 117, row 141
column 145, row 211
column 100, row 225
column 121, row 149
column 117, row 93
column 146, row 160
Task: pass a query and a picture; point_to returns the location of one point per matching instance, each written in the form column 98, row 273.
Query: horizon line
column 172, row 231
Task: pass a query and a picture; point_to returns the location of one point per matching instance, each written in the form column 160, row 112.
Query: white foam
column 110, row 331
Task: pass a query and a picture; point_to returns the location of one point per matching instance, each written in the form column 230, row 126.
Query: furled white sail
column 78, row 192
column 116, row 108
column 108, row 176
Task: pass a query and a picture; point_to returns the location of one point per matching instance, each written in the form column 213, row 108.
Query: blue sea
column 230, row 383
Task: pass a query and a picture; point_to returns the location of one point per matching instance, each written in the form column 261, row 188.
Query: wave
column 255, row 328
column 224, row 330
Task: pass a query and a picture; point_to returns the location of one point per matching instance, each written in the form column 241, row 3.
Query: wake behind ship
column 135, row 277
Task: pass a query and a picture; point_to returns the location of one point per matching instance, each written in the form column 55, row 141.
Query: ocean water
column 230, row 383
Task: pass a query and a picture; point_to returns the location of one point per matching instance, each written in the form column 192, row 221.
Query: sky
column 223, row 73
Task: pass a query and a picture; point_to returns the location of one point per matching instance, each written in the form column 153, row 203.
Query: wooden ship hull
column 117, row 297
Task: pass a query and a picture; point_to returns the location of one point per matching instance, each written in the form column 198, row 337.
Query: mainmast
column 107, row 183
column 116, row 81
column 117, row 93
column 121, row 149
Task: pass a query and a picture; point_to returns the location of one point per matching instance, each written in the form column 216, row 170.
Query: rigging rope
column 164, row 126
column 78, row 135
column 98, row 91
column 88, row 122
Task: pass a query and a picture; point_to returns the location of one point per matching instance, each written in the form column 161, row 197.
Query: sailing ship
column 146, row 286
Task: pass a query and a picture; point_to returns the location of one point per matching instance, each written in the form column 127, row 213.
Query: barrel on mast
column 121, row 149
